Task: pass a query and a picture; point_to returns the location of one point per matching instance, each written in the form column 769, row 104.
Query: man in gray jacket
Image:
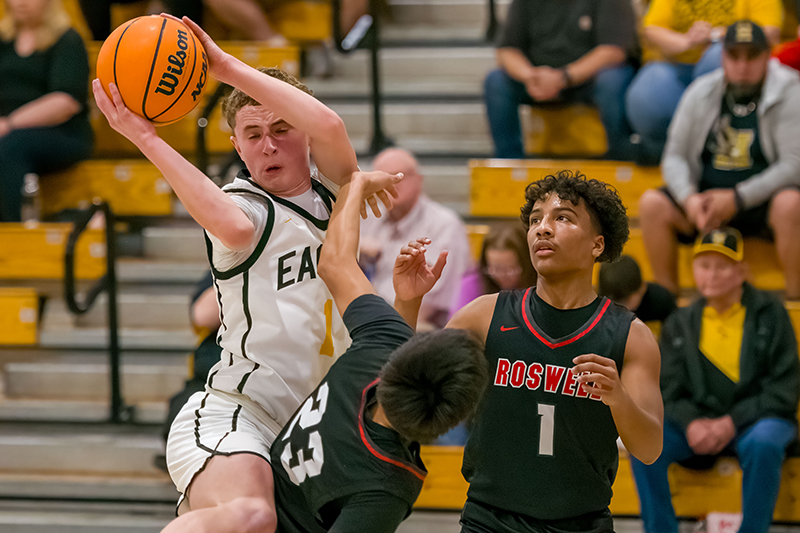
column 732, row 158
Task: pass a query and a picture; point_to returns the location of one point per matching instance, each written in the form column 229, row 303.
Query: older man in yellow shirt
column 730, row 382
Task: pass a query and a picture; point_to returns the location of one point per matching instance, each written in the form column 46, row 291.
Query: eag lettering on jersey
column 556, row 379
column 294, row 267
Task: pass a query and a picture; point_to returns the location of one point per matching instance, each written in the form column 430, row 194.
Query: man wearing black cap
column 732, row 158
column 730, row 380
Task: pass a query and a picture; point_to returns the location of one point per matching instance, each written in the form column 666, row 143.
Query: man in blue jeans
column 730, row 382
column 561, row 52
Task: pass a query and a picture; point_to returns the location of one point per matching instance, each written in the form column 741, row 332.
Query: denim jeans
column 654, row 94
column 503, row 96
column 760, row 448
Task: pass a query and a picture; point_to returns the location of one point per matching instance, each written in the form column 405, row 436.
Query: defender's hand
column 598, row 376
column 412, row 276
column 135, row 128
column 374, row 186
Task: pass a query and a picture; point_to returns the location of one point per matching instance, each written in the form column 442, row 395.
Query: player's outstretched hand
column 374, row 186
column 135, row 128
column 218, row 60
column 599, row 376
column 412, row 276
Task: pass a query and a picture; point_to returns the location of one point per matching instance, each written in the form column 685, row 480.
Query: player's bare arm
column 413, row 278
column 635, row 397
column 338, row 263
column 330, row 146
column 205, row 202
column 476, row 316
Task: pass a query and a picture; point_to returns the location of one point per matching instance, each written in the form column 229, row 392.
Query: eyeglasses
column 502, row 272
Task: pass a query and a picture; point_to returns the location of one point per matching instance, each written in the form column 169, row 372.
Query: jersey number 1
column 546, row 425
column 327, row 345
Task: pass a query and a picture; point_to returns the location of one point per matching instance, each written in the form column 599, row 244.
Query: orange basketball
column 159, row 66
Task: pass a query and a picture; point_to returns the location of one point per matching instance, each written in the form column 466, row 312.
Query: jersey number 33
column 307, row 462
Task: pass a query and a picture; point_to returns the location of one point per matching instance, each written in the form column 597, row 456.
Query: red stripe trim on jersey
column 564, row 342
column 368, row 443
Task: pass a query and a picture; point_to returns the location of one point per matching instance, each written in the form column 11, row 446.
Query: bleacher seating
column 18, row 315
column 130, row 186
column 498, row 185
column 564, row 131
column 38, row 252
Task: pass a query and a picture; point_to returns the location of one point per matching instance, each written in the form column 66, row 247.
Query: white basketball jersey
column 280, row 329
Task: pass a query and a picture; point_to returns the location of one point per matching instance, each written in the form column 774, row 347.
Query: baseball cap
column 726, row 241
column 745, row 32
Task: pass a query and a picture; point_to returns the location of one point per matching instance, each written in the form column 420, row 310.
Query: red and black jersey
column 541, row 446
column 330, row 453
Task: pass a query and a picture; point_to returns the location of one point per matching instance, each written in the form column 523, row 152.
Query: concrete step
column 83, row 376
column 161, row 311
column 93, row 450
column 410, row 71
column 174, row 243
column 148, row 271
column 424, row 128
column 444, row 13
column 76, row 411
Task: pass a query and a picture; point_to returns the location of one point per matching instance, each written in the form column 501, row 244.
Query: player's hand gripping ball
column 159, row 66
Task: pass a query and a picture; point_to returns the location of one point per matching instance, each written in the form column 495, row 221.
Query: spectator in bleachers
column 505, row 263
column 732, row 157
column 622, row 283
column 248, row 17
column 98, row 13
column 685, row 36
column 414, row 215
column 789, row 53
column 730, row 380
column 561, row 53
column 44, row 118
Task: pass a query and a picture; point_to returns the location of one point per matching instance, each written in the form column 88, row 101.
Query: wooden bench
column 132, row 187
column 568, row 130
column 18, row 314
column 497, row 186
column 694, row 492
column 38, row 252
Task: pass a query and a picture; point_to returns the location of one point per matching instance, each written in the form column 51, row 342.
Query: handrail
column 119, row 412
column 491, row 25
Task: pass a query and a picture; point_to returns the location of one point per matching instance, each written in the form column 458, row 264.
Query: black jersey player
column 569, row 372
column 348, row 460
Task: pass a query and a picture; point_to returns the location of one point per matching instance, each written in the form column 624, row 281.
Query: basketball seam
column 116, row 53
column 152, row 68
column 194, row 67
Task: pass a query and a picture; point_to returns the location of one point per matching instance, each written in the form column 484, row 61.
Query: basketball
column 158, row 65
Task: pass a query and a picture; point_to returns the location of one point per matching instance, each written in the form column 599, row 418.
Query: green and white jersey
column 280, row 331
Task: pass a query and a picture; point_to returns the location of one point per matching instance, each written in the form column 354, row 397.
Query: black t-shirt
column 656, row 305
column 64, row 67
column 732, row 152
column 540, row 446
column 557, row 32
column 334, row 469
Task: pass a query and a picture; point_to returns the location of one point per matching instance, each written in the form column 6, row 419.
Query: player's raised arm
column 413, row 278
column 635, row 397
column 330, row 146
column 338, row 262
column 208, row 205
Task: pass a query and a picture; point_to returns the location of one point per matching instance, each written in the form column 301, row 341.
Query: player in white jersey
column 280, row 332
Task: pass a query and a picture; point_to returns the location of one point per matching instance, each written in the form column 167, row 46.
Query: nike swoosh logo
column 503, row 328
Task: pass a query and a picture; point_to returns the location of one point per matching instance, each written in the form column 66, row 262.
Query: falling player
column 349, row 460
column 569, row 372
column 280, row 330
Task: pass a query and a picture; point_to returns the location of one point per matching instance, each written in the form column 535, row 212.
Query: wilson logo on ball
column 158, row 65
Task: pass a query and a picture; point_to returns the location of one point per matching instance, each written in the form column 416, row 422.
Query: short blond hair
column 55, row 23
column 239, row 99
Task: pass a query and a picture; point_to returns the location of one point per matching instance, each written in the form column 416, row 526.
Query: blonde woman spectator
column 685, row 34
column 44, row 123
